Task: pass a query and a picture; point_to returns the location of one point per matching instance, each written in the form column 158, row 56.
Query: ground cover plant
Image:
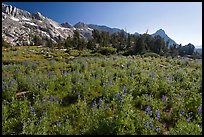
column 46, row 91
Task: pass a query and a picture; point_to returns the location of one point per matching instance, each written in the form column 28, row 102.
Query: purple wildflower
column 158, row 114
column 51, row 98
column 45, row 98
column 124, row 89
column 106, row 106
column 150, row 113
column 188, row 119
column 158, row 129
column 32, row 110
column 182, row 112
column 147, row 124
column 94, row 104
column 12, row 82
column 58, row 124
column 119, row 97
column 100, row 101
column 199, row 110
column 56, row 99
column 148, row 109
column 151, row 125
column 132, row 73
column 163, row 98
column 6, row 87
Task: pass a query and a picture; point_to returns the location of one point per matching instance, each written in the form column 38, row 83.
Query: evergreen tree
column 37, row 40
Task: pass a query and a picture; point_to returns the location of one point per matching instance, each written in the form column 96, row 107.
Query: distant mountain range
column 18, row 27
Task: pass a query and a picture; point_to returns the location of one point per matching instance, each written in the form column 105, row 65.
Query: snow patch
column 33, row 24
column 15, row 19
column 23, row 18
column 90, row 29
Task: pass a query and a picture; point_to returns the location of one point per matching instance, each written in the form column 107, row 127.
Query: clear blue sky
column 182, row 21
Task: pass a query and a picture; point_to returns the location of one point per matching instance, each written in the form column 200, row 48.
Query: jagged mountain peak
column 39, row 16
column 80, row 25
column 160, row 31
column 166, row 38
column 67, row 25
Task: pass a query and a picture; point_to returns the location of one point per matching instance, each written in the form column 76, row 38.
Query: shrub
column 151, row 54
column 107, row 50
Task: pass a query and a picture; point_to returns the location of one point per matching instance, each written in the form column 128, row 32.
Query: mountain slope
column 104, row 28
column 162, row 33
column 19, row 26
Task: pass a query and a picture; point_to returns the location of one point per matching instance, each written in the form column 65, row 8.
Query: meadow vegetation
column 52, row 91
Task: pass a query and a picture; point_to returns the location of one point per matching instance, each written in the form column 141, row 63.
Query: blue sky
column 182, row 21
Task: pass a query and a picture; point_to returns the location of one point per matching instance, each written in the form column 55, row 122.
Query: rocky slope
column 19, row 27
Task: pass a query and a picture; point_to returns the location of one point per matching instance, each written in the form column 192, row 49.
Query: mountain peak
column 66, row 25
column 80, row 25
column 39, row 16
column 160, row 31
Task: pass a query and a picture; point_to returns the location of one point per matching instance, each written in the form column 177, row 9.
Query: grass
column 91, row 94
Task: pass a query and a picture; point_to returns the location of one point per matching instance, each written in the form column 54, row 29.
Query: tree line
column 120, row 42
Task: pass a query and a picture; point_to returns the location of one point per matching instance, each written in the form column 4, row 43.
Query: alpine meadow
column 87, row 79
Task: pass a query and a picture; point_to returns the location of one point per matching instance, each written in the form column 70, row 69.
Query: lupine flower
column 119, row 97
column 199, row 110
column 158, row 114
column 124, row 89
column 151, row 124
column 51, row 98
column 56, row 99
column 188, row 119
column 163, row 98
column 158, row 129
column 147, row 124
column 32, row 110
column 6, row 87
column 58, row 124
column 132, row 73
column 100, row 101
column 150, row 113
column 182, row 112
column 106, row 106
column 12, row 82
column 94, row 104
column 147, row 109
column 45, row 98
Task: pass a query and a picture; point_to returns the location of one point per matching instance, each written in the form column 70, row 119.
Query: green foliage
column 151, row 54
column 37, row 41
column 106, row 50
column 100, row 95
